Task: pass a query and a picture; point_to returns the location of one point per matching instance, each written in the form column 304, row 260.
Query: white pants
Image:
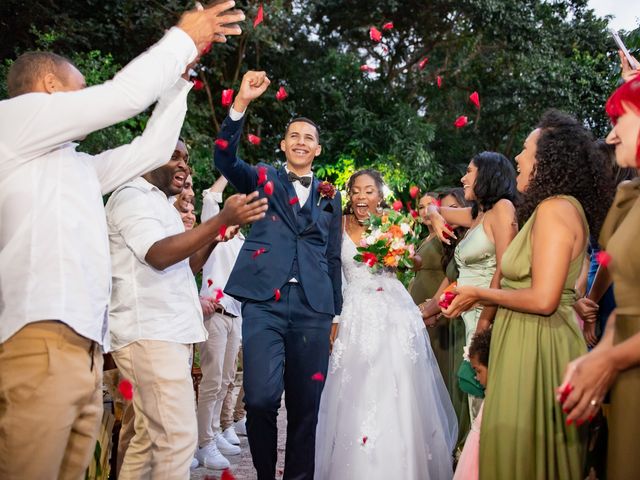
column 165, row 422
column 218, row 356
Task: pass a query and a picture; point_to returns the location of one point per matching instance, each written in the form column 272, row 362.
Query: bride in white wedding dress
column 385, row 412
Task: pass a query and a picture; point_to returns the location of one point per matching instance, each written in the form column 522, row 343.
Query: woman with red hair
column 615, row 362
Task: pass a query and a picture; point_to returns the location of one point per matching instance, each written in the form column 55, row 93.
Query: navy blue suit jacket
column 315, row 236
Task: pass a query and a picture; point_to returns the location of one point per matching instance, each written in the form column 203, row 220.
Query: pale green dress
column 523, row 434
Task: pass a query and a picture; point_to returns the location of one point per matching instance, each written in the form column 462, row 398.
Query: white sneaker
column 230, row 436
column 240, row 427
column 210, row 457
column 194, row 463
column 225, row 447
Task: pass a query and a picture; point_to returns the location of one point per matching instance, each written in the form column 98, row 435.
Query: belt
column 221, row 310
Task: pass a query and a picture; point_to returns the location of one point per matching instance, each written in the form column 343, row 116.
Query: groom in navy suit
column 288, row 278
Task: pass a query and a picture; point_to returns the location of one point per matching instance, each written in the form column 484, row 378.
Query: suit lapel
column 290, row 210
column 313, row 196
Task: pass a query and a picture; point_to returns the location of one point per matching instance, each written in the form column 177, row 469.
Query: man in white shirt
column 54, row 257
column 219, row 352
column 155, row 312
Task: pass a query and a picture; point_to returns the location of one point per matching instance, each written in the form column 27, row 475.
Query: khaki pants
column 218, row 356
column 50, row 402
column 165, row 423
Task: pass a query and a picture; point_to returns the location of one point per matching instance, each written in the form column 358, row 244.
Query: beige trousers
column 165, row 423
column 218, row 356
column 50, row 403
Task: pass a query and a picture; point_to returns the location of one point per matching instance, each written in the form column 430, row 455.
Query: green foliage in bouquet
column 392, row 239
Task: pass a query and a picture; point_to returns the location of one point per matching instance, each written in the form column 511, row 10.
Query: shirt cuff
column 336, row 319
column 215, row 196
column 234, row 115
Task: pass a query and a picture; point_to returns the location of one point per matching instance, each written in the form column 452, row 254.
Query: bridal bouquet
column 390, row 241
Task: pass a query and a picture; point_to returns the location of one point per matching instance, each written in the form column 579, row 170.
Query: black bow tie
column 304, row 181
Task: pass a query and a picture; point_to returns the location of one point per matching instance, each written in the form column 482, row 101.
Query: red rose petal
column 388, row 26
column 219, row 294
column 276, row 294
column 207, row 49
column 379, row 289
column 439, row 81
column 258, row 252
column 262, row 175
column 413, row 213
column 209, row 282
column 268, row 188
column 461, row 121
column 367, row 68
column 293, row 201
column 445, row 234
column 259, row 17
column 446, row 299
column 197, row 84
column 414, row 191
column 375, row 34
column 397, row 205
column 254, row 139
column 475, row 99
column 364, row 440
column 603, row 258
column 221, row 143
column 223, row 230
column 227, row 475
column 227, row 97
column 369, row 259
column 281, row 94
column 423, row 63
column 126, row 389
column 317, row 377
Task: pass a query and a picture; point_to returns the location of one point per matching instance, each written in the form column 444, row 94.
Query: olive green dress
column 425, row 284
column 523, row 434
column 619, row 237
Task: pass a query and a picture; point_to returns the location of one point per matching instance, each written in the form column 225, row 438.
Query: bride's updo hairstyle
column 496, row 180
column 377, row 178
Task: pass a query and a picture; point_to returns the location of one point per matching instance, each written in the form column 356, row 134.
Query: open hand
column 211, row 24
column 241, row 209
column 254, row 84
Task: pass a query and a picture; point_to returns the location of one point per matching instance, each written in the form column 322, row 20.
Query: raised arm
column 36, row 123
column 439, row 216
column 242, row 176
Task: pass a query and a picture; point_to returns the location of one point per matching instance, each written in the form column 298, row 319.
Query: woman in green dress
column 535, row 333
column 615, row 361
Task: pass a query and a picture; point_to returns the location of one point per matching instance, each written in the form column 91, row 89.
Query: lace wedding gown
column 385, row 412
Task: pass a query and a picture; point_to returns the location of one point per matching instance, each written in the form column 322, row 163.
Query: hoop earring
column 379, row 207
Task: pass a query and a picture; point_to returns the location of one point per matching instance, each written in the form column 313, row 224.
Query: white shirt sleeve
column 132, row 215
column 36, row 123
column 210, row 204
column 234, row 115
column 150, row 150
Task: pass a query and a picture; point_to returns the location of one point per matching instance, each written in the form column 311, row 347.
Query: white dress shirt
column 54, row 252
column 220, row 263
column 148, row 304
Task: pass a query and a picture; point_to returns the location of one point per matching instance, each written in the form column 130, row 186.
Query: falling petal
column 423, row 63
column 259, row 16
column 439, row 81
column 227, row 475
column 293, row 201
column 409, row 206
column 258, row 252
column 227, row 97
column 268, row 188
column 276, row 294
column 397, row 205
column 221, row 143
column 603, row 258
column 126, row 389
column 197, row 84
column 254, row 139
column 475, row 99
column 222, row 231
column 388, row 26
column 317, row 377
column 262, row 175
column 414, row 191
column 461, row 121
column 379, row 289
column 219, row 294
column 209, row 282
column 375, row 34
column 413, row 213
column 207, row 49
column 364, row 440
column 281, row 94
column 367, row 68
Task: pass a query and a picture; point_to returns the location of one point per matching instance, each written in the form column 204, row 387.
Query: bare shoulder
column 502, row 212
column 558, row 210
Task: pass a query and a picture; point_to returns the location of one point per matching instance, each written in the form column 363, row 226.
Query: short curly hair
column 480, row 346
column 567, row 163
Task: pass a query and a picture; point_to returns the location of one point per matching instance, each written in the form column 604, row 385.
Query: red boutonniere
column 326, row 190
